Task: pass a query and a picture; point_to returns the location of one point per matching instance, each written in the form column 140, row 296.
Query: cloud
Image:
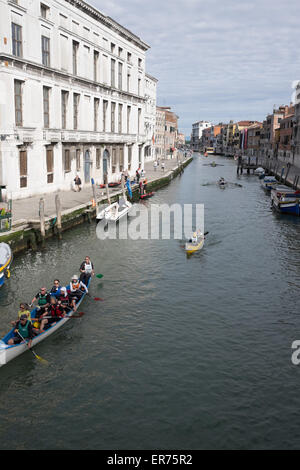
column 216, row 60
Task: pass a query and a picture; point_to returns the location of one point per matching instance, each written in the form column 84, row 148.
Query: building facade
column 72, row 96
column 150, row 117
column 166, row 132
column 196, row 136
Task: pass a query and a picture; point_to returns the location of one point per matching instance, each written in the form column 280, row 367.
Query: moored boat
column 195, row 243
column 5, row 262
column 115, row 211
column 286, row 200
column 269, row 182
column 147, row 195
column 9, row 352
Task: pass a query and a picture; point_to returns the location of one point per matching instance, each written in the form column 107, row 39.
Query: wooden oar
column 39, row 358
column 99, row 276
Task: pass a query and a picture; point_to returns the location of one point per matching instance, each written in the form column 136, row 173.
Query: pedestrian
column 162, row 166
column 137, row 174
column 155, row 165
column 77, row 182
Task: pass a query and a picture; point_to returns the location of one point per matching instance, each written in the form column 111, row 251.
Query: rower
column 24, row 327
column 53, row 313
column 76, row 289
column 55, row 290
column 194, row 237
column 43, row 299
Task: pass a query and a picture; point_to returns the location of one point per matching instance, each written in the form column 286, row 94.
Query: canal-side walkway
column 27, row 209
column 76, row 207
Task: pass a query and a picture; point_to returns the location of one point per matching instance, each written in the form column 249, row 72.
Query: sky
column 216, row 60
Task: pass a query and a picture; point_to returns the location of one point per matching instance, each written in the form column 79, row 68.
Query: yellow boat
column 195, row 243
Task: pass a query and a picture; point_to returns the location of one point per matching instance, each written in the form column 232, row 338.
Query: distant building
column 166, row 132
column 150, row 118
column 196, row 136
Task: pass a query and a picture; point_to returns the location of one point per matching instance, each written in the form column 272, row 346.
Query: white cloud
column 216, row 59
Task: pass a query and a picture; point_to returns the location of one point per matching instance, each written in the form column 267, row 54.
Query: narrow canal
column 183, row 353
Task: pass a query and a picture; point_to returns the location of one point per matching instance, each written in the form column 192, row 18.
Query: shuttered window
column 113, row 73
column 113, row 116
column 46, row 96
column 18, row 103
column 46, row 51
column 50, row 165
column 129, row 157
column 98, row 158
column 64, row 102
column 121, row 159
column 120, row 112
column 67, row 161
column 77, row 159
column 23, row 168
column 114, row 160
column 16, row 40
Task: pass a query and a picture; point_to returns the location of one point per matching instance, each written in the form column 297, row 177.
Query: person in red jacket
column 53, row 313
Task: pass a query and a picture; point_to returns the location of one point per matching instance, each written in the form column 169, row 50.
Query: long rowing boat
column 9, row 352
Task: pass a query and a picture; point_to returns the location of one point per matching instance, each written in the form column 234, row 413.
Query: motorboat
column 5, row 262
column 115, row 211
column 286, row 200
column 195, row 243
column 269, row 183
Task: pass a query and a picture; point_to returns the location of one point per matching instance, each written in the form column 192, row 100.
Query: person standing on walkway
column 155, row 165
column 137, row 174
column 162, row 166
column 77, row 182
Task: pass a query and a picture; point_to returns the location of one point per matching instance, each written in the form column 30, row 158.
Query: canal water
column 182, row 353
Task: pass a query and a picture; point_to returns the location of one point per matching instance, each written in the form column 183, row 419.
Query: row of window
column 116, row 163
column 116, row 111
column 116, row 68
column 45, row 13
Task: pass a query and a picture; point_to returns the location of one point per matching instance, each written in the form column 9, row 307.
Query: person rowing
column 23, row 311
column 77, row 288
column 52, row 314
column 55, row 290
column 65, row 301
column 24, row 327
column 43, row 300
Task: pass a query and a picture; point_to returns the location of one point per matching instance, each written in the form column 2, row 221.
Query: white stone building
column 150, row 117
column 72, row 96
column 197, row 129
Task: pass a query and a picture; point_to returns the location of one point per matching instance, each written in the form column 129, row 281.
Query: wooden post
column 288, row 169
column 42, row 219
column 94, row 194
column 107, row 190
column 123, row 187
column 58, row 215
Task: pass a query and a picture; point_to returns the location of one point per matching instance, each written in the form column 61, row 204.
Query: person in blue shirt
column 55, row 291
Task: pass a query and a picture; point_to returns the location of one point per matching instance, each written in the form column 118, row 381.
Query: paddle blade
column 39, row 358
column 98, row 298
column 99, row 276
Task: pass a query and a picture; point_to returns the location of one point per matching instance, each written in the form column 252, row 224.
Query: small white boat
column 115, row 211
column 195, row 243
column 222, row 183
column 5, row 261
